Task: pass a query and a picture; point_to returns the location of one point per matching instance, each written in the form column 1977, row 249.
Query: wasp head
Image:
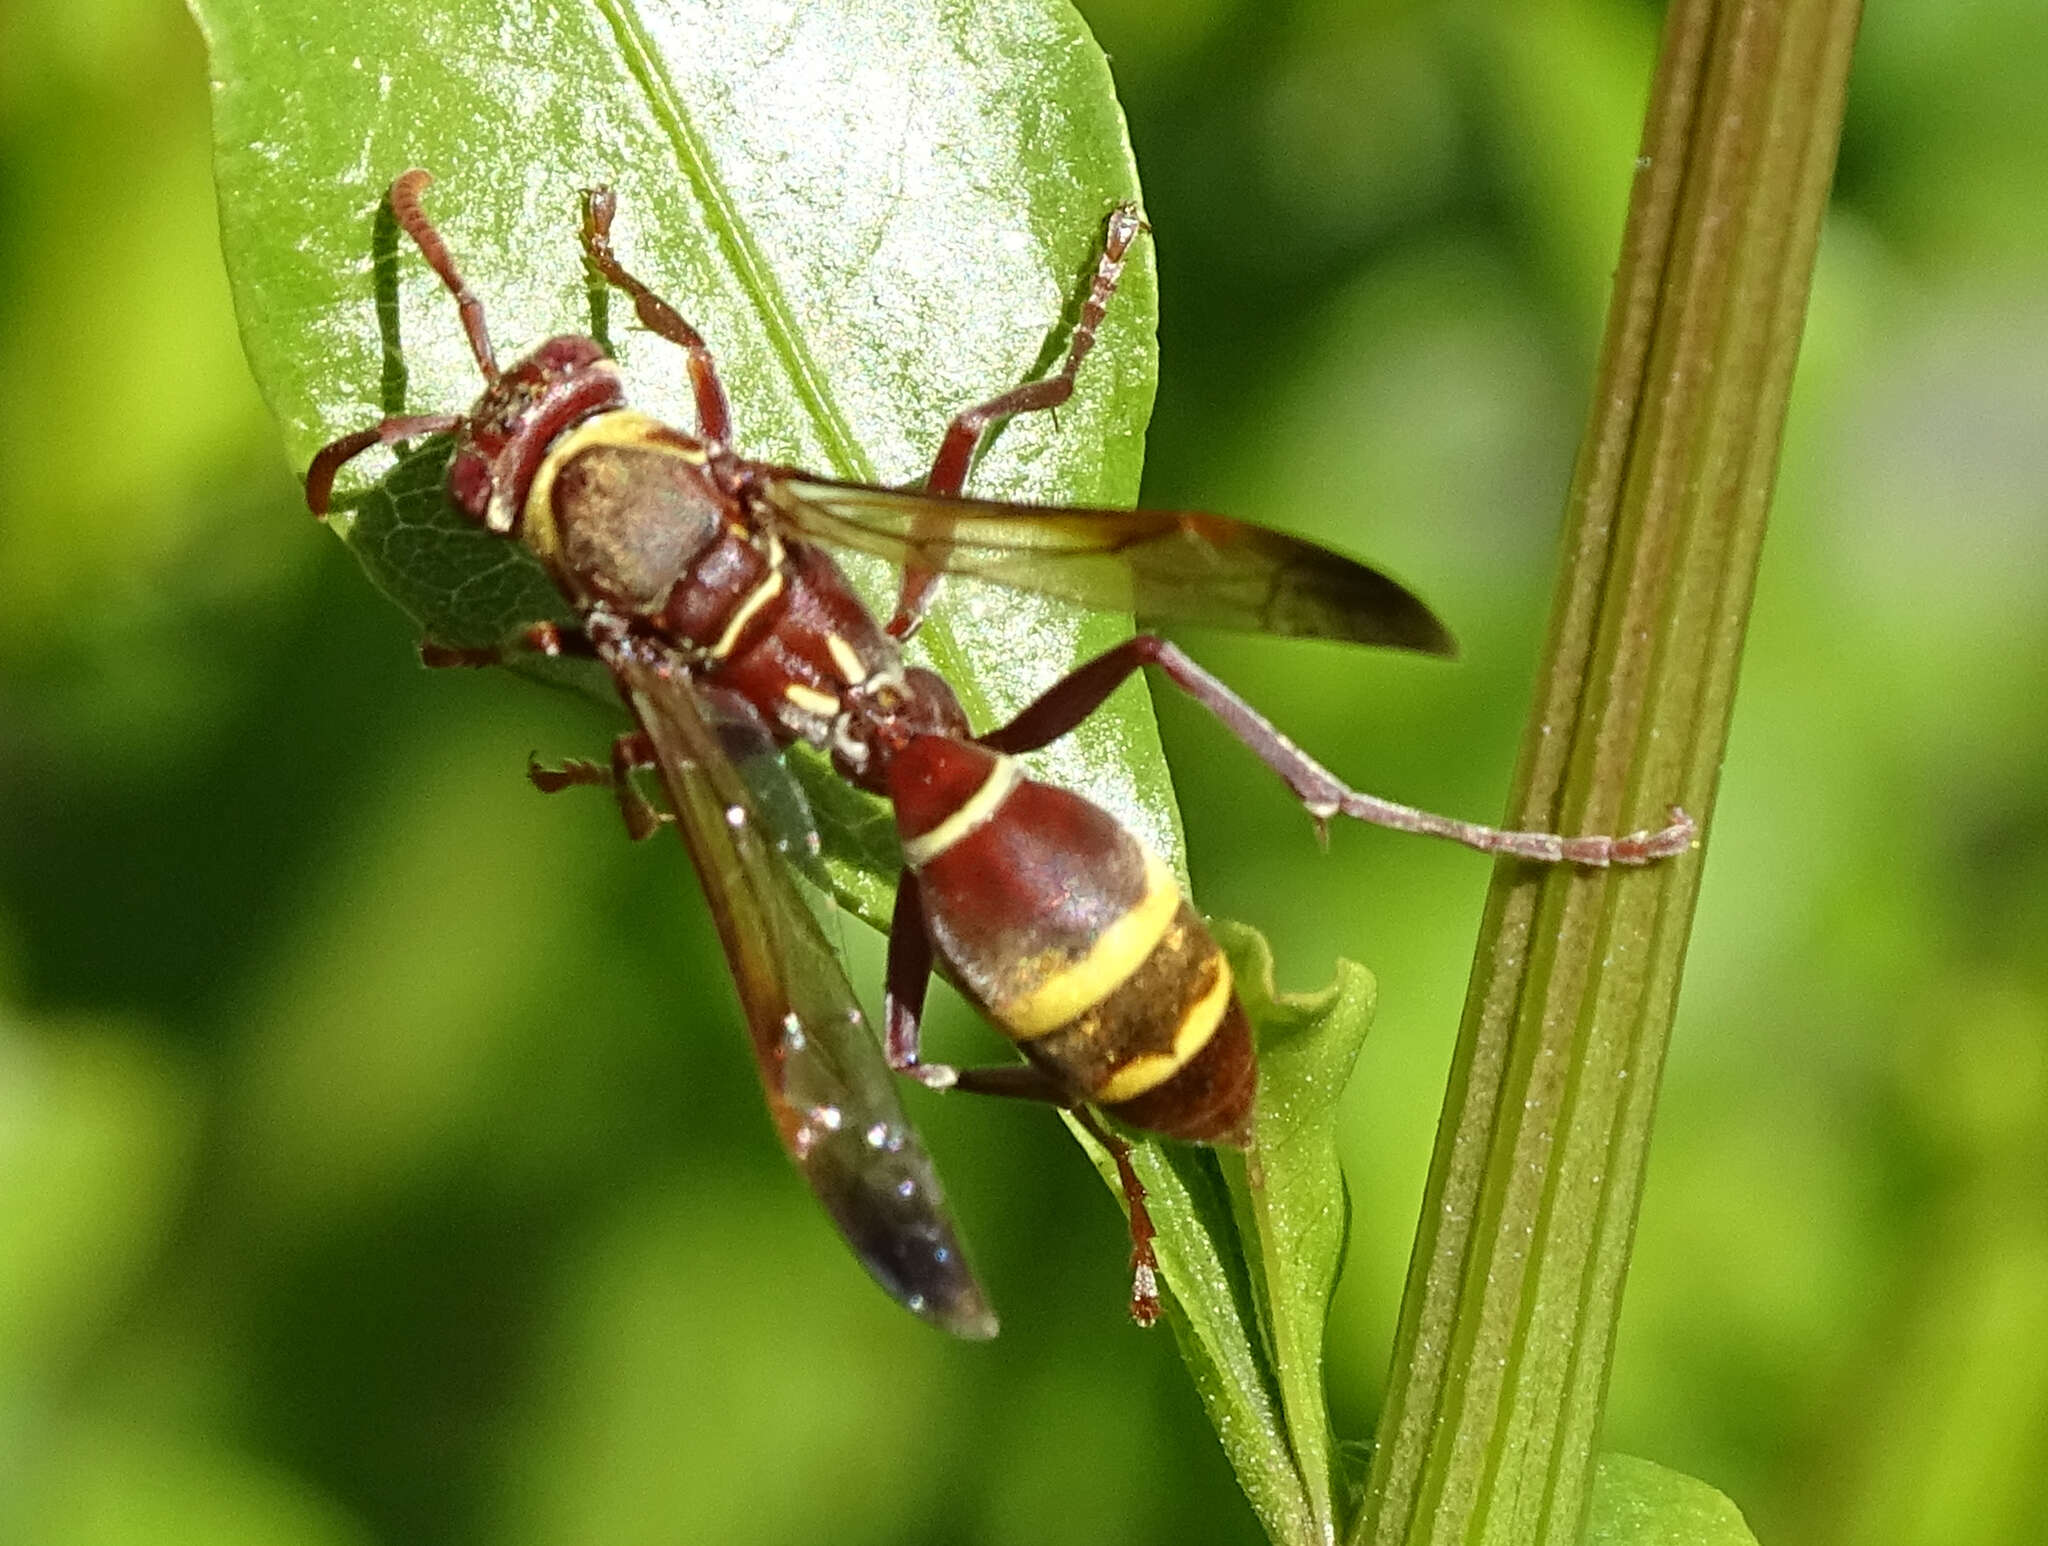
column 505, row 437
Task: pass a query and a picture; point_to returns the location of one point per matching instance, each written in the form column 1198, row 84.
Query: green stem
column 1507, row 1324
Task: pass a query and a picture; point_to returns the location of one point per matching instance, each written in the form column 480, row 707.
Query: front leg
column 336, row 454
column 714, row 411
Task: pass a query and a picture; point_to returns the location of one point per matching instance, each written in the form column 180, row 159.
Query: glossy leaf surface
column 876, row 216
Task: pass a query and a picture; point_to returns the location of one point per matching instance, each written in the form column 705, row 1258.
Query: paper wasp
column 701, row 581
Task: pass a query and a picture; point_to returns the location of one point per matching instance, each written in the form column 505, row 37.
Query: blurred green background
column 379, row 1154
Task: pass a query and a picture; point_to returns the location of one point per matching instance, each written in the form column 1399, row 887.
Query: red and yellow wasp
column 701, row 580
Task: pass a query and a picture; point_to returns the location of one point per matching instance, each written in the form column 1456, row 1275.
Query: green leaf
column 1299, row 1207
column 876, row 216
column 1251, row 1250
column 1636, row 1503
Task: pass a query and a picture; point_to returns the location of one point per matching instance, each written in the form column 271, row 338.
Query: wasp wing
column 779, row 799
column 831, row 1093
column 1164, row 566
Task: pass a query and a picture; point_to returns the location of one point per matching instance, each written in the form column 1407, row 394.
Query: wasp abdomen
column 1075, row 939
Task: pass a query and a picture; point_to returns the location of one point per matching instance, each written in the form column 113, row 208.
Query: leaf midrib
column 850, row 460
column 757, row 279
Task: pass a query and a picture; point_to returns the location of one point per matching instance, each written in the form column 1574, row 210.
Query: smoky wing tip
column 919, row 1263
column 1437, row 640
column 1419, row 629
column 974, row 1322
column 1404, row 621
column 953, row 1301
column 956, row 1301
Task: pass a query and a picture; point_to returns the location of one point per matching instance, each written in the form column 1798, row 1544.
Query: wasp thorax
column 630, row 519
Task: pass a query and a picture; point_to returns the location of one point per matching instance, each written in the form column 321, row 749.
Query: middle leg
column 631, row 752
column 948, row 475
column 903, row 993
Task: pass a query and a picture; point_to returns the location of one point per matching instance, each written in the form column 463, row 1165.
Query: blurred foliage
column 378, row 1157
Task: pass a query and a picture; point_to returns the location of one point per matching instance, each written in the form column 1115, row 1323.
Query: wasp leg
column 630, row 752
column 1144, row 1265
column 447, row 657
column 714, row 411
column 1081, row 692
column 910, row 974
column 404, row 199
column 550, row 639
column 948, row 475
column 903, row 991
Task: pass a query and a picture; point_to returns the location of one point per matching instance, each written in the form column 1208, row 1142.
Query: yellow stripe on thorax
column 757, row 598
column 820, row 705
column 974, row 811
column 1079, row 985
column 1153, row 1069
column 852, row 669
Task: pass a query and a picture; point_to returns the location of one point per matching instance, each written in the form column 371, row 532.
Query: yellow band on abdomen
column 974, row 811
column 1073, row 987
column 1153, row 1069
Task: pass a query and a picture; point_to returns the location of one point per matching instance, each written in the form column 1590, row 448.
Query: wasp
column 701, row 580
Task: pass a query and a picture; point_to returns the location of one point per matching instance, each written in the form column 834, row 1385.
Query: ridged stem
column 1508, row 1320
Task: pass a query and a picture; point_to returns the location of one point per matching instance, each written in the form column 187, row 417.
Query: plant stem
column 1507, row 1324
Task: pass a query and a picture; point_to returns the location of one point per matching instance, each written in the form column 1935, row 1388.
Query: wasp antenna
column 405, row 205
